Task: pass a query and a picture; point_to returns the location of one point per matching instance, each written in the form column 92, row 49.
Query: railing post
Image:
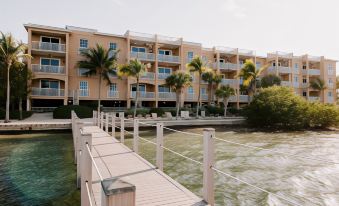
column 113, row 124
column 106, row 122
column 117, row 192
column 208, row 162
column 85, row 168
column 94, row 117
column 102, row 121
column 136, row 135
column 78, row 151
column 160, row 143
column 98, row 119
column 122, row 127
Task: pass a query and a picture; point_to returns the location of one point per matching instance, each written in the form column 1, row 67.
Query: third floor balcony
column 48, row 69
column 47, row 46
column 168, row 58
column 143, row 56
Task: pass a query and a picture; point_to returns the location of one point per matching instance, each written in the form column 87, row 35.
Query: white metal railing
column 204, row 96
column 304, row 85
column 48, row 69
column 143, row 56
column 168, row 58
column 167, row 95
column 284, row 70
column 112, row 94
column 227, row 66
column 141, row 36
column 46, row 46
column 313, row 98
column 304, row 71
column 243, row 98
column 285, row 83
column 314, row 72
column 148, row 75
column 163, row 75
column 143, row 95
column 47, row 92
column 169, row 40
column 330, row 85
column 229, row 81
column 83, row 92
column 190, row 96
column 230, row 99
column 280, row 54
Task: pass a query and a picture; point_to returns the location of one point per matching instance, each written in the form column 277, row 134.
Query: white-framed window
column 163, row 88
column 296, row 65
column 49, row 62
column 190, row 55
column 164, row 70
column 330, row 81
column 330, row 69
column 258, row 64
column 113, row 87
column 190, row 90
column 82, row 72
column 165, row 52
column 304, row 80
column 304, row 94
column 138, row 49
column 83, row 85
column 142, row 88
column 304, row 67
column 296, row 79
column 113, row 45
column 203, row 90
column 83, row 43
column 47, row 39
column 329, row 94
column 49, row 84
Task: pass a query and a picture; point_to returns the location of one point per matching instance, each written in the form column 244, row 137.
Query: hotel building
column 58, row 81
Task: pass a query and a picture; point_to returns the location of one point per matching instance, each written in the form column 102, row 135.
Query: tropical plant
column 99, row 61
column 197, row 65
column 217, row 80
column 225, row 92
column 178, row 82
column 208, row 76
column 270, row 80
column 11, row 52
column 319, row 85
column 134, row 69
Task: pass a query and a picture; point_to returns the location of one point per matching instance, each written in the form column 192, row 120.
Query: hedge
column 64, row 112
column 15, row 114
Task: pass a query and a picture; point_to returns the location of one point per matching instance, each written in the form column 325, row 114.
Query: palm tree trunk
column 178, row 104
column 210, row 94
column 20, row 107
column 225, row 106
column 136, row 99
column 198, row 103
column 8, row 94
column 99, row 95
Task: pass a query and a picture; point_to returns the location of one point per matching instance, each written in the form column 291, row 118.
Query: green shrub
column 64, row 112
column 322, row 115
column 142, row 111
column 213, row 110
column 159, row 111
column 15, row 114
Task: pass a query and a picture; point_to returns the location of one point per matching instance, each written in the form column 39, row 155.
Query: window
column 50, row 62
column 142, row 88
column 50, row 84
column 165, row 52
column 304, row 67
column 113, row 87
column 329, row 94
column 83, row 85
column 273, row 64
column 190, row 90
column 83, row 72
column 304, row 80
column 296, row 79
column 190, row 55
column 330, row 69
column 304, row 94
column 222, row 60
column 258, row 65
column 113, row 45
column 330, row 81
column 162, row 88
column 204, row 58
column 164, row 70
column 83, row 43
column 203, row 90
column 138, row 49
column 50, row 40
column 296, row 66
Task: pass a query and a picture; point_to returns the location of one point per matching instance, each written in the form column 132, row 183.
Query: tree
column 217, row 80
column 208, row 76
column 270, row 80
column 318, row 84
column 99, row 61
column 134, row 69
column 11, row 52
column 225, row 92
column 250, row 74
column 178, row 82
column 197, row 65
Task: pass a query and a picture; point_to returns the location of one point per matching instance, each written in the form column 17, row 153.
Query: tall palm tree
column 208, row 76
column 197, row 65
column 11, row 52
column 178, row 82
column 134, row 69
column 217, row 80
column 225, row 92
column 100, row 61
column 250, row 74
column 318, row 84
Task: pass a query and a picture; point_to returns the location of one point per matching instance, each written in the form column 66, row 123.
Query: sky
column 298, row 26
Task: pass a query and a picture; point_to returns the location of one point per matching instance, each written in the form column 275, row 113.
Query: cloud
column 233, row 8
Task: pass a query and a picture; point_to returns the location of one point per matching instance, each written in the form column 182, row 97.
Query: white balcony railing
column 284, row 70
column 112, row 94
column 313, row 98
column 168, row 58
column 243, row 98
column 163, row 75
column 296, row 70
column 285, row 83
column 167, row 95
column 304, row 85
column 143, row 56
column 204, row 97
column 148, row 76
column 330, row 85
column 190, row 96
column 314, row 72
column 143, row 95
column 231, row 99
column 46, row 46
column 228, row 66
column 48, row 69
column 47, row 92
column 83, row 92
column 229, row 81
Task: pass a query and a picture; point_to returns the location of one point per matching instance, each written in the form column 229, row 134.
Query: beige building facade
column 58, row 81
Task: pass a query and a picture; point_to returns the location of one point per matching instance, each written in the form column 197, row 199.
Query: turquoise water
column 37, row 169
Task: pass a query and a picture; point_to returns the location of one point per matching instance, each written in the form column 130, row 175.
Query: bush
column 142, row 111
column 213, row 110
column 323, row 116
column 15, row 114
column 64, row 112
column 159, row 111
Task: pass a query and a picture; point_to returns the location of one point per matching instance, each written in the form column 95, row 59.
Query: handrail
column 89, row 194
column 95, row 164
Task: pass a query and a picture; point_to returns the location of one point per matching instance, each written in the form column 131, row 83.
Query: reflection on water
column 37, row 169
column 304, row 181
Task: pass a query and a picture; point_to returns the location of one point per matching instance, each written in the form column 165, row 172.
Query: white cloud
column 233, row 8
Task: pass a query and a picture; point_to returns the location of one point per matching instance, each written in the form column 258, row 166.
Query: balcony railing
column 46, row 46
column 148, row 76
column 285, row 83
column 204, row 97
column 83, row 92
column 272, row 69
column 143, row 95
column 304, row 85
column 143, row 56
column 190, row 96
column 296, row 70
column 112, row 94
column 313, row 98
column 229, row 81
column 243, row 98
column 284, row 70
column 48, row 69
column 163, row 75
column 314, row 72
column 228, row 66
column 231, row 98
column 47, row 92
column 296, row 84
column 167, row 95
column 168, row 58
column 330, row 85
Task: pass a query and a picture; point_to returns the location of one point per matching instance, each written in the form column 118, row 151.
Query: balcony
column 46, row 46
column 231, row 99
column 314, row 72
column 83, row 92
column 112, row 94
column 284, row 70
column 204, row 97
column 167, row 95
column 51, row 92
column 143, row 56
column 163, row 75
column 190, row 96
column 313, row 98
column 48, row 69
column 304, row 85
column 168, row 58
column 272, row 69
column 296, row 71
column 285, row 83
column 296, row 84
column 229, row 81
column 228, row 66
column 148, row 76
column 143, row 95
column 243, row 98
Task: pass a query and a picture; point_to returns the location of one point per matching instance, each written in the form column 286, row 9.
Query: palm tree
column 178, row 82
column 11, row 52
column 318, row 84
column 208, row 76
column 197, row 65
column 99, row 61
column 217, row 80
column 250, row 74
column 225, row 92
column 134, row 69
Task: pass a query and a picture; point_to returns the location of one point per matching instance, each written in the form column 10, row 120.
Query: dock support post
column 136, row 135
column 160, row 143
column 78, row 151
column 208, row 162
column 106, row 122
column 86, row 168
column 113, row 124
column 102, row 121
column 117, row 192
column 122, row 127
